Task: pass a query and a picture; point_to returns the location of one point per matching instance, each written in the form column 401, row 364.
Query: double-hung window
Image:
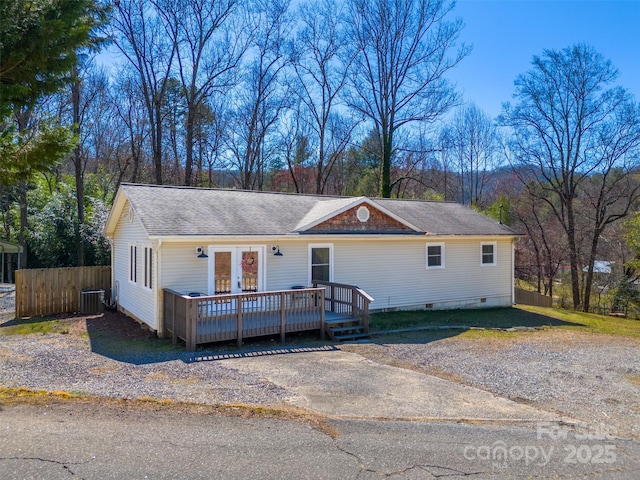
column 488, row 253
column 435, row 255
column 320, row 259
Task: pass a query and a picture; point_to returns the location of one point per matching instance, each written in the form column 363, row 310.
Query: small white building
column 406, row 254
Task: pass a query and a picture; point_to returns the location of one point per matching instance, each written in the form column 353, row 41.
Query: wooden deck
column 208, row 319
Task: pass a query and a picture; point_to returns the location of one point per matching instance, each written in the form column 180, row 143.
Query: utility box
column 91, row 301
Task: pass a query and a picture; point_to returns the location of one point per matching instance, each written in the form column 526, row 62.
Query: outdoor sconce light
column 200, row 252
column 276, row 250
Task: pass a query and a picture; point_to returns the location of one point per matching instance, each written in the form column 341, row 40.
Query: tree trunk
column 589, row 280
column 157, row 147
column 22, row 233
column 188, row 165
column 78, row 164
column 573, row 257
column 385, row 177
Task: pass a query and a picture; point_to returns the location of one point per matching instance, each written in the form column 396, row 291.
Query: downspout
column 159, row 303
column 113, row 271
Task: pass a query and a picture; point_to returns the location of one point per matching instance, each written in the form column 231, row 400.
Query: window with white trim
column 133, row 263
column 148, row 267
column 488, row 253
column 435, row 255
column 321, row 262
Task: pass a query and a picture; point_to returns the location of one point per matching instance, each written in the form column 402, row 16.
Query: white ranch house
column 169, row 242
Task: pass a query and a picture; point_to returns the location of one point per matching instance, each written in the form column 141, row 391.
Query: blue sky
column 506, row 34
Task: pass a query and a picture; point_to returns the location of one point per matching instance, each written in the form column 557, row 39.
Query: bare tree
column 570, row 130
column 88, row 87
column 130, row 157
column 209, row 46
column 402, row 52
column 256, row 105
column 444, row 164
column 321, row 66
column 141, row 37
column 474, row 139
column 543, row 252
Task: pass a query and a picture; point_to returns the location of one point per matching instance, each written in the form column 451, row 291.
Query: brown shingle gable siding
column 347, row 222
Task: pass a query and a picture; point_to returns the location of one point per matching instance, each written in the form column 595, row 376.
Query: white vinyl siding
column 182, row 270
column 393, row 274
column 391, row 270
column 291, row 269
column 132, row 297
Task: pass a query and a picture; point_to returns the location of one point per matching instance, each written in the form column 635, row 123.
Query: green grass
column 590, row 322
column 42, row 325
column 504, row 318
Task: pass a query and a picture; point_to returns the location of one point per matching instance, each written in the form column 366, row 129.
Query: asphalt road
column 92, row 441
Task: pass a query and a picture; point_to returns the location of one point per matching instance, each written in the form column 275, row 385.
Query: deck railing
column 198, row 320
column 347, row 300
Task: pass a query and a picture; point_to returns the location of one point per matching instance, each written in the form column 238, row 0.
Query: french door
column 236, row 269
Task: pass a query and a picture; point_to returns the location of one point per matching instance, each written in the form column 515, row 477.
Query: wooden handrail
column 347, row 299
column 211, row 318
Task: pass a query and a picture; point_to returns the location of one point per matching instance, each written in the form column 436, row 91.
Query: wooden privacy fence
column 47, row 291
column 526, row 297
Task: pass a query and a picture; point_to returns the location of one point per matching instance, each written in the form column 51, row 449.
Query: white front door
column 236, row 269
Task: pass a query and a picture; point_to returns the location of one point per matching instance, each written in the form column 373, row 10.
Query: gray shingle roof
column 187, row 211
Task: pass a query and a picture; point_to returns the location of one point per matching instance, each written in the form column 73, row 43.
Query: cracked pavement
column 88, row 440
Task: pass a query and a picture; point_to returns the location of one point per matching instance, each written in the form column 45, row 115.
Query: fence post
column 354, row 302
column 19, row 294
column 282, row 318
column 174, row 336
column 332, row 299
column 365, row 316
column 239, row 321
column 322, row 313
column 191, row 325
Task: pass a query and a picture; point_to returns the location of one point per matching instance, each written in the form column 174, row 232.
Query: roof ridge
column 220, row 189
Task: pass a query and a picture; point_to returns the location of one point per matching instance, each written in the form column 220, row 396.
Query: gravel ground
column 62, row 362
column 79, row 362
column 7, row 301
column 589, row 377
column 593, row 378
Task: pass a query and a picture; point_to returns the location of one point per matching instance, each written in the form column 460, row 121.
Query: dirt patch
column 115, row 324
column 12, row 397
column 633, row 379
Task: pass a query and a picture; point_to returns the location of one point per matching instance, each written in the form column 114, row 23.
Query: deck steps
column 345, row 328
column 341, row 320
column 351, row 336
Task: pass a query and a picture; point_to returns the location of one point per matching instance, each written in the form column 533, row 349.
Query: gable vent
column 363, row 214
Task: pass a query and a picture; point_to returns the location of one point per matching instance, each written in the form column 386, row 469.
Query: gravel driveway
column 590, row 377
column 593, row 378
